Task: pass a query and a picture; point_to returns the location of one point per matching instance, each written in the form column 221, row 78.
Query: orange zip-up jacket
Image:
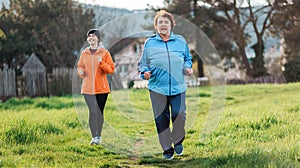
column 95, row 67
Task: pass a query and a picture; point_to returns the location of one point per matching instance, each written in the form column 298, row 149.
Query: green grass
column 258, row 128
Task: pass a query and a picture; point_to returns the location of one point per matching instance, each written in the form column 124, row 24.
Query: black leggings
column 96, row 104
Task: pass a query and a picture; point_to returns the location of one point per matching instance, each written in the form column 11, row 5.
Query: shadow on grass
column 254, row 158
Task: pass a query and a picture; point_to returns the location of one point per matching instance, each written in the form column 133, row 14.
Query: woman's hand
column 81, row 72
column 147, row 75
column 188, row 71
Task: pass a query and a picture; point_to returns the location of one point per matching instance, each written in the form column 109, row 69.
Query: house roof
column 33, row 64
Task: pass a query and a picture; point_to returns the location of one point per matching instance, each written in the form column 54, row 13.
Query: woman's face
column 92, row 39
column 163, row 25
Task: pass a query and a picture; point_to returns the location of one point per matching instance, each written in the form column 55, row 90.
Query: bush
column 292, row 70
column 130, row 84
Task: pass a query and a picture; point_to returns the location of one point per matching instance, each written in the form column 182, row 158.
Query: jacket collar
column 100, row 47
column 172, row 37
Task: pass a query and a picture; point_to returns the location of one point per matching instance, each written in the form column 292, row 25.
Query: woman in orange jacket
column 94, row 64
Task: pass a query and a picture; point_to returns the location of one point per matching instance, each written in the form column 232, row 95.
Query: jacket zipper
column 169, row 67
column 93, row 78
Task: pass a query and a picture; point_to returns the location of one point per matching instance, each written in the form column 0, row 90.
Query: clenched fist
column 147, row 75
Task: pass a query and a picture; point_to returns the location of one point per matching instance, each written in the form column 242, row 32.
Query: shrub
column 292, row 70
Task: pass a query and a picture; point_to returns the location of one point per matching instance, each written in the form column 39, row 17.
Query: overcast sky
column 127, row 4
column 142, row 4
column 6, row 3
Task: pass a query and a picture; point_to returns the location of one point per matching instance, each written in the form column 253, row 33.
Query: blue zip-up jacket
column 166, row 60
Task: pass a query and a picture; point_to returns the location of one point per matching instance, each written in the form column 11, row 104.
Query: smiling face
column 92, row 39
column 163, row 25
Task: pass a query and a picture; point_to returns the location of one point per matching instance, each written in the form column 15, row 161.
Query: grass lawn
column 258, row 126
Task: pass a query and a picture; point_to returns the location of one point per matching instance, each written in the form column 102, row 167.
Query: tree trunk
column 246, row 64
column 258, row 63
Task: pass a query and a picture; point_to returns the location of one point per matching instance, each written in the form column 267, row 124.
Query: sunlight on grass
column 259, row 128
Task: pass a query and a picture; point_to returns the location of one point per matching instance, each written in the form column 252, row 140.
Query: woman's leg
column 161, row 112
column 93, row 117
column 178, row 112
column 101, row 101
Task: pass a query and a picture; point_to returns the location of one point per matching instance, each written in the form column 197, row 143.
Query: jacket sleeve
column 80, row 67
column 107, row 64
column 143, row 62
column 188, row 58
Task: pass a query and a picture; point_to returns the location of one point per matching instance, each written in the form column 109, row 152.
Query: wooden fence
column 61, row 81
column 7, row 82
column 64, row 81
column 35, row 84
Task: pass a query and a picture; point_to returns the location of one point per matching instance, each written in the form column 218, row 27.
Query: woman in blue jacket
column 164, row 62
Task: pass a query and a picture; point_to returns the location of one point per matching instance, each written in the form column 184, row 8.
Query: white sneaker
column 96, row 140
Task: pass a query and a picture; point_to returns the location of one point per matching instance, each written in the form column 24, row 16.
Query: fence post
column 7, row 82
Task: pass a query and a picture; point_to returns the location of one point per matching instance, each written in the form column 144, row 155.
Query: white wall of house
column 127, row 62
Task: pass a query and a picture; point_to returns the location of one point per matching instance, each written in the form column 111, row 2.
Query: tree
column 225, row 23
column 209, row 22
column 54, row 30
column 287, row 23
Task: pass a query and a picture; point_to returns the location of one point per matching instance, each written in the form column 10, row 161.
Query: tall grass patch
column 22, row 132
